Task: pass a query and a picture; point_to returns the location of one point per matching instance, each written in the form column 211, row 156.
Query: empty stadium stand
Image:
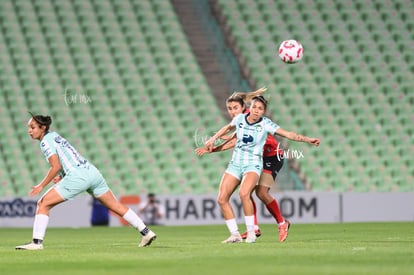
column 122, row 84
column 351, row 88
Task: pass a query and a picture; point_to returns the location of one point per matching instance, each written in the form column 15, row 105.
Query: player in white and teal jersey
column 251, row 138
column 246, row 165
column 79, row 176
column 54, row 144
column 72, row 163
column 272, row 163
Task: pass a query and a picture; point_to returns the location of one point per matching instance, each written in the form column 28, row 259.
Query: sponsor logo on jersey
column 247, row 138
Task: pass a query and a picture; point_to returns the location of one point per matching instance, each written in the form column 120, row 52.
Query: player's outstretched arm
column 210, row 142
column 230, row 143
column 226, row 137
column 297, row 137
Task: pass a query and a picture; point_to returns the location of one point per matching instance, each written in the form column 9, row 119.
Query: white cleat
column 251, row 237
column 147, row 239
column 30, row 246
column 234, row 238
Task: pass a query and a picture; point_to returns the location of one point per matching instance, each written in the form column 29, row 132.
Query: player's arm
column 54, row 169
column 230, row 143
column 297, row 137
column 226, row 136
column 210, row 142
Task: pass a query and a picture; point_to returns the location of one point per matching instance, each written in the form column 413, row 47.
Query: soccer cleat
column 30, row 246
column 147, row 239
column 283, row 231
column 234, row 238
column 251, row 237
column 257, row 231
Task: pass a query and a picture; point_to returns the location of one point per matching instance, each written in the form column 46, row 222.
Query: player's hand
column 314, row 141
column 36, row 190
column 209, row 145
column 57, row 179
column 201, row 151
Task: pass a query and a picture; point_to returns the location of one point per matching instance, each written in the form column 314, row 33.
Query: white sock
column 132, row 218
column 232, row 226
column 282, row 223
column 249, row 222
column 39, row 226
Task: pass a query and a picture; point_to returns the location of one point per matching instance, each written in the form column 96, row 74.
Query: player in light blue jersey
column 251, row 138
column 272, row 163
column 246, row 164
column 54, row 144
column 77, row 175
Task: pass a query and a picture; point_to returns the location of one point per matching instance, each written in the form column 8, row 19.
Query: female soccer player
column 246, row 164
column 272, row 163
column 79, row 175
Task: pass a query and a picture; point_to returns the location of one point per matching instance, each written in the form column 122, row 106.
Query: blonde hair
column 248, row 96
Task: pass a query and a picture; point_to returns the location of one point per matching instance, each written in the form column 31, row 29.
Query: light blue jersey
column 52, row 143
column 251, row 139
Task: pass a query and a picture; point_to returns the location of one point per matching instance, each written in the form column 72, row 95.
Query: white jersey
column 52, row 143
column 251, row 138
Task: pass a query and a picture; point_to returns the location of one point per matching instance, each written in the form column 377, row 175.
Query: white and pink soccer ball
column 290, row 51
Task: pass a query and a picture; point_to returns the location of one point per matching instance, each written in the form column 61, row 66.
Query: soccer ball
column 290, row 51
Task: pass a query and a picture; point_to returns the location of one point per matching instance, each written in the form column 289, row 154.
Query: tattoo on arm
column 298, row 137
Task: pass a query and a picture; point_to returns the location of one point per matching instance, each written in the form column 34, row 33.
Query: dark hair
column 238, row 99
column 261, row 99
column 42, row 120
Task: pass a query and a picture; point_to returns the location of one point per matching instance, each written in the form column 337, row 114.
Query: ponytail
column 248, row 97
column 42, row 120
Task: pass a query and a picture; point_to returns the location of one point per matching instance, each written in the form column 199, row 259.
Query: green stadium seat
column 362, row 66
column 112, row 51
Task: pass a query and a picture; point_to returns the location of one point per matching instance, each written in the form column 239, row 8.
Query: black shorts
column 272, row 165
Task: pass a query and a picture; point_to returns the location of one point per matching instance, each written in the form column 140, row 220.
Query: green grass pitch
column 349, row 248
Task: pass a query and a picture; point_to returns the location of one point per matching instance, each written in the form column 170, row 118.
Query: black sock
column 144, row 231
column 37, row 241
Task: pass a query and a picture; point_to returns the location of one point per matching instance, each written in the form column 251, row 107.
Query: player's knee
column 244, row 195
column 42, row 206
column 37, row 207
column 40, row 203
column 221, row 200
column 260, row 193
